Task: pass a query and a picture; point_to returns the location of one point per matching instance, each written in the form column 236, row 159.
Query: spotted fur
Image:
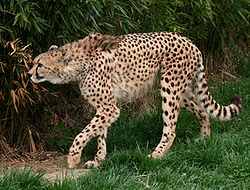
column 111, row 68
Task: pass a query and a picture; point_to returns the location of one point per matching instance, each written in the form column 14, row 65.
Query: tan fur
column 111, row 68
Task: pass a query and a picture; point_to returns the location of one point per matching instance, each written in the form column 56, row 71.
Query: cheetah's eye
column 39, row 65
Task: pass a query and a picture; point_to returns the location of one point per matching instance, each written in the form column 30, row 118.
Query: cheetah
column 111, row 68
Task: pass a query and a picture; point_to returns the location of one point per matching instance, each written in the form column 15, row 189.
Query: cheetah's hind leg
column 171, row 97
column 190, row 103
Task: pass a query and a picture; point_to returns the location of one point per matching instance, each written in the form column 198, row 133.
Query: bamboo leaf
column 241, row 11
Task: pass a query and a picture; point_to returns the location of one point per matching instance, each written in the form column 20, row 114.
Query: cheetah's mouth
column 39, row 77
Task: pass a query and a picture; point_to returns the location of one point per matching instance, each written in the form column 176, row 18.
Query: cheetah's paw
column 73, row 161
column 155, row 155
column 92, row 164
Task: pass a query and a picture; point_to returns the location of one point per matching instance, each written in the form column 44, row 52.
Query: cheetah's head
column 49, row 66
column 66, row 63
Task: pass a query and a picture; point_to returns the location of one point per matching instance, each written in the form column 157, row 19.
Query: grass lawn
column 221, row 161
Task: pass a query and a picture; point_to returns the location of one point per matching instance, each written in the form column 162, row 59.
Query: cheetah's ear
column 53, row 47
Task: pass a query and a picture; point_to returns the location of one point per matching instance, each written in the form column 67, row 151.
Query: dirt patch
column 53, row 169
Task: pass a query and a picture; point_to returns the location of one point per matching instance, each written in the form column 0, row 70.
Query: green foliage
column 17, row 94
column 58, row 140
column 219, row 27
column 212, row 22
column 22, row 180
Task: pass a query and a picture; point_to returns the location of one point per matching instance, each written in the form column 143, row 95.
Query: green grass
column 221, row 161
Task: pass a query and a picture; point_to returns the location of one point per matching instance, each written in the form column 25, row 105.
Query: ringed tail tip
column 236, row 100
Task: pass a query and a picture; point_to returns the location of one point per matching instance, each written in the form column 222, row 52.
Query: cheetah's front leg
column 79, row 143
column 97, row 127
column 100, row 155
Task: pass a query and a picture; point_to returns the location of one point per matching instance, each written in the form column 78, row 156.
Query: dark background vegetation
column 35, row 116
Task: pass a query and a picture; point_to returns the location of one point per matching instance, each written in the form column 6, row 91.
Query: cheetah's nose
column 29, row 75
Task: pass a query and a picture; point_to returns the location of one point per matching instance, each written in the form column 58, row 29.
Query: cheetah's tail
column 207, row 102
